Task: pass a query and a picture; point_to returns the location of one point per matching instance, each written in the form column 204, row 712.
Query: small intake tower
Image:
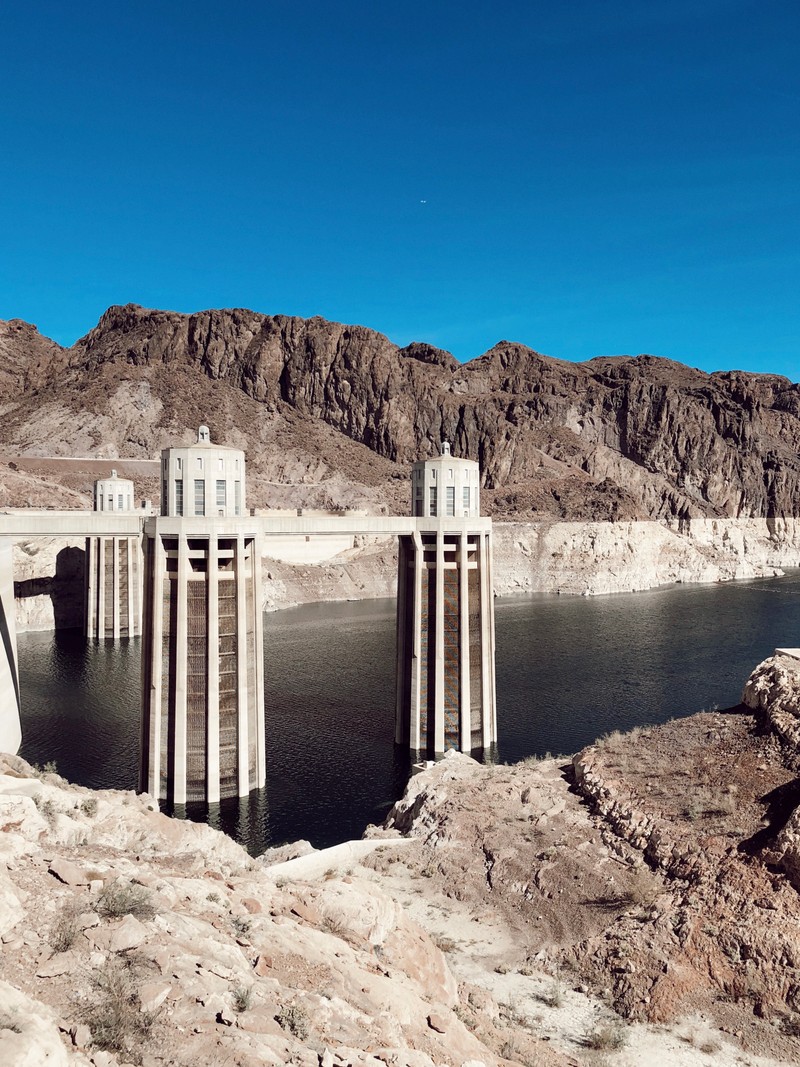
column 445, row 614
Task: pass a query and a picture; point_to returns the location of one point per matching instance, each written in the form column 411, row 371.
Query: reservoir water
column 568, row 671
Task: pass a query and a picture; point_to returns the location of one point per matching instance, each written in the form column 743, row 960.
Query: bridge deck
column 26, row 524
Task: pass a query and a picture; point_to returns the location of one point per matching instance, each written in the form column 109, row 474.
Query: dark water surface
column 568, row 670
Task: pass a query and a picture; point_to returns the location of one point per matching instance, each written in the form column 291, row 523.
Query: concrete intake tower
column 203, row 660
column 113, row 568
column 445, row 614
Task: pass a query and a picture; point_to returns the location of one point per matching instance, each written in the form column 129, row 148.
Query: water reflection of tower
column 113, row 569
column 445, row 613
column 203, row 680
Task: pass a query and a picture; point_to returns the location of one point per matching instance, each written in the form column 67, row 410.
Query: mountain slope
column 342, row 409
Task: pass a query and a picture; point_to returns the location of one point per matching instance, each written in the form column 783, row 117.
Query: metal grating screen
column 427, row 660
column 196, row 687
column 252, row 711
column 228, row 684
column 452, row 628
column 168, row 647
column 108, row 585
column 475, row 654
column 124, row 585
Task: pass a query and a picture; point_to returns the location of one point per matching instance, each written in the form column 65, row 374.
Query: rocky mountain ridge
column 343, row 410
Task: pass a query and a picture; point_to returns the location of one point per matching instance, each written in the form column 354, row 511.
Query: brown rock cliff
column 615, row 437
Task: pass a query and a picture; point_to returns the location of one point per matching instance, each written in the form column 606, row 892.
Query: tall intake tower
column 203, row 661
column 445, row 613
column 113, row 569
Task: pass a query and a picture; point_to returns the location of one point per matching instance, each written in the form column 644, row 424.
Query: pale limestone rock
column 260, row 1020
column 13, row 785
column 127, row 933
column 61, row 963
column 104, row 1059
column 591, row 558
column 34, row 1040
column 67, row 872
column 11, row 910
column 21, row 819
column 437, row 1022
column 81, row 1035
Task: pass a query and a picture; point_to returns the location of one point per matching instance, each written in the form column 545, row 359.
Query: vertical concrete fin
column 10, row 727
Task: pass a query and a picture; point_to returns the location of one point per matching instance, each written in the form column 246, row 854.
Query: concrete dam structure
column 196, row 569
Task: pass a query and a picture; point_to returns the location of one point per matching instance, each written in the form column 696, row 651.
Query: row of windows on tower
column 199, row 462
column 449, row 500
column 106, row 503
column 419, row 474
column 221, row 497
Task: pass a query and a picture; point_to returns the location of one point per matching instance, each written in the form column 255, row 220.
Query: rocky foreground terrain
column 637, row 904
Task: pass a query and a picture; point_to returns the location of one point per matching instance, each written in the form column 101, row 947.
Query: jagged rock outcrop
column 612, row 438
column 129, row 937
column 773, row 690
column 673, row 890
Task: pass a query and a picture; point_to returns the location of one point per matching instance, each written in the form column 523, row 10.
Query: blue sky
column 586, row 177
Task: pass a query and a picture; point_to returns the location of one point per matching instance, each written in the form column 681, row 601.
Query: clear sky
column 587, row 176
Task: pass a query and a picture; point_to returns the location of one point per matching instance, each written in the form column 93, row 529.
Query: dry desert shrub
column 241, row 926
column 64, row 928
column 242, row 997
column 294, row 1019
column 444, row 943
column 606, row 1038
column 115, row 1016
column 47, row 809
column 639, row 891
column 553, row 995
column 125, row 898
column 703, row 1039
column 705, row 803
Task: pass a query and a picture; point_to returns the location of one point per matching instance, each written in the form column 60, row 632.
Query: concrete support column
column 242, row 732
column 418, row 560
column 212, row 736
column 130, row 554
column 491, row 652
column 439, row 670
column 116, row 607
column 10, row 728
column 402, row 664
column 258, row 666
column 101, row 587
column 181, row 664
column 90, row 625
column 487, row 642
column 154, row 648
column 464, row 711
column 139, row 549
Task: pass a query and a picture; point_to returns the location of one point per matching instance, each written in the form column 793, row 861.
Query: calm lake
column 568, row 670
